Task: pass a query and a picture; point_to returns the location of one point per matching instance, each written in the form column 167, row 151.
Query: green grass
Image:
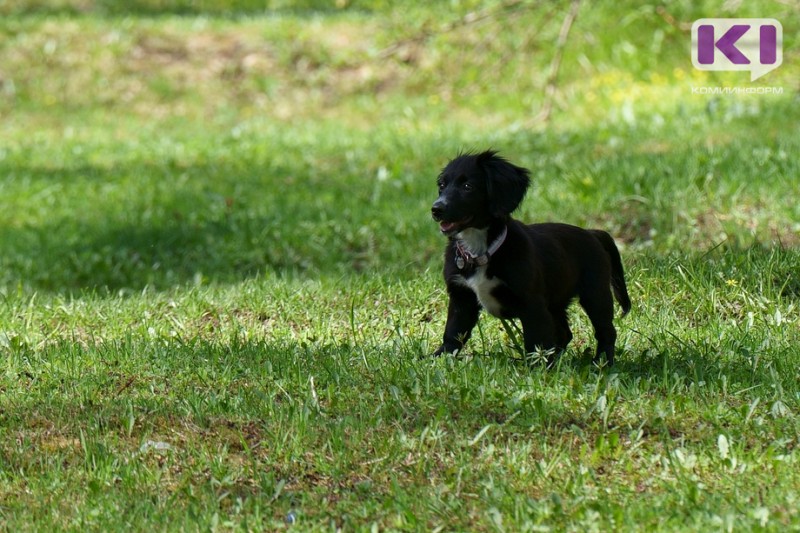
column 218, row 272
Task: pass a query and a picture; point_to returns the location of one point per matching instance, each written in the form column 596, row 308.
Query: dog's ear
column 505, row 183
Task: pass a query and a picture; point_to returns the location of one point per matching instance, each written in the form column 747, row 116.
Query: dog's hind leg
column 600, row 309
column 617, row 272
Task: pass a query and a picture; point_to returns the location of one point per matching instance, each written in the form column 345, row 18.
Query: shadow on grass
column 125, row 228
column 235, row 215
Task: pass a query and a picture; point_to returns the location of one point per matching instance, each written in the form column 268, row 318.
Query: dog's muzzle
column 446, row 226
column 437, row 210
column 438, row 213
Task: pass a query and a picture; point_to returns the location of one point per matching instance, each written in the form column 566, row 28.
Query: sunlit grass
column 219, row 281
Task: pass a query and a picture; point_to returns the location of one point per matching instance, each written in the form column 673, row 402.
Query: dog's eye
column 467, row 186
column 440, row 184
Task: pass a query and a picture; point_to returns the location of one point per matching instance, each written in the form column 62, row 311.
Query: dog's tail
column 617, row 274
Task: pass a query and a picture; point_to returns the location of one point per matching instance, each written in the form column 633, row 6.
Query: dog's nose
column 437, row 210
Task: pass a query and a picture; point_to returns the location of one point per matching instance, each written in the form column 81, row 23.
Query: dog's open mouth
column 451, row 227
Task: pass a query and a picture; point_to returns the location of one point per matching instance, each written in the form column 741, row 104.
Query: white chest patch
column 483, row 286
column 474, row 240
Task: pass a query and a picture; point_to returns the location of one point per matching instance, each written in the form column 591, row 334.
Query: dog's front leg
column 462, row 315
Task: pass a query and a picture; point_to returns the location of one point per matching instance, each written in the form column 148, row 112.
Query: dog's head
column 475, row 189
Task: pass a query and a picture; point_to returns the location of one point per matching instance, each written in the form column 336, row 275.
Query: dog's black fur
column 536, row 271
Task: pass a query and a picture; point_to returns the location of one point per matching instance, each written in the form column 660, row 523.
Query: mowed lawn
column 220, row 281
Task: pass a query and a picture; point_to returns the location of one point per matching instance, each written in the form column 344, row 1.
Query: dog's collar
column 465, row 258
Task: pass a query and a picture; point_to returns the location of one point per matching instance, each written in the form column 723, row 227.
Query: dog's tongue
column 446, row 226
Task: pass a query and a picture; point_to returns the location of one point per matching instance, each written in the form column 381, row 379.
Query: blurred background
column 164, row 142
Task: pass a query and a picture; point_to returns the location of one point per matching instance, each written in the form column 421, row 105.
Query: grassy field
column 218, row 270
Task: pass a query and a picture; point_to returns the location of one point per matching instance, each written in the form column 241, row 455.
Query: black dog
column 531, row 272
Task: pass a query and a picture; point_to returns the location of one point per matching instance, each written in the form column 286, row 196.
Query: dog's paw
column 442, row 350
